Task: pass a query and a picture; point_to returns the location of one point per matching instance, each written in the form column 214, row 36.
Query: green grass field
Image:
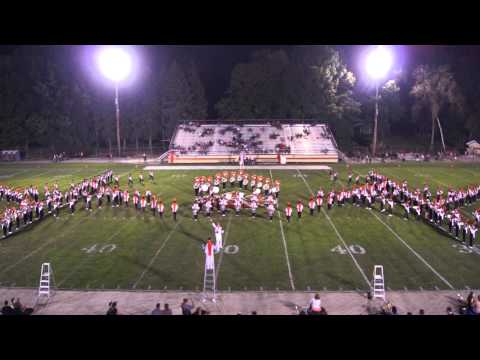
column 122, row 248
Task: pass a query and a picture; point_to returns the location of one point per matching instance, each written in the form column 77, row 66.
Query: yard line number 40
column 354, row 249
column 104, row 249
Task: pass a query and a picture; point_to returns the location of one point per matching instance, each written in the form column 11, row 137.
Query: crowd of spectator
column 15, row 307
column 468, row 306
column 59, row 157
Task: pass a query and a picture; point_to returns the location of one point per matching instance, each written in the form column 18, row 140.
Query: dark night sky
column 215, row 63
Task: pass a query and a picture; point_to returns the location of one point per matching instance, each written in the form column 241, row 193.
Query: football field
column 123, row 248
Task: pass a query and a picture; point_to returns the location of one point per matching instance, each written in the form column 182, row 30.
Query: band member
column 130, row 180
column 209, row 260
column 89, row 203
column 153, row 205
column 140, row 179
column 270, row 210
column 174, row 207
column 160, row 208
column 56, row 210
column 288, row 211
column 208, row 208
column 311, row 205
column 240, row 178
column 218, row 236
column 473, row 232
column 223, row 206
column 238, row 206
column 195, row 210
column 390, row 206
column 126, row 197
column 266, row 187
column 253, row 181
column 350, row 178
column 319, row 202
column 151, row 177
column 40, row 210
column 406, row 206
column 330, row 200
column 299, row 209
column 135, row 200
column 224, row 179
column 254, row 207
column 143, row 203
column 99, row 200
column 416, row 208
column 232, row 178
column 148, row 195
column 244, row 182
column 196, row 186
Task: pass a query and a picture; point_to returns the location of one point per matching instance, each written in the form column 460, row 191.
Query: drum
column 216, row 190
column 204, row 187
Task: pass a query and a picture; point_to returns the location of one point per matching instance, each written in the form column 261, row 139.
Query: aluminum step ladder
column 378, row 283
column 46, row 280
column 209, row 286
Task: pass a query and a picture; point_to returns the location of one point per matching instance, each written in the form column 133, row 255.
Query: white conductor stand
column 46, row 282
column 209, row 286
column 378, row 283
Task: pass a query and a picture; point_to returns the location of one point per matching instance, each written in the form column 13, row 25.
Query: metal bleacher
column 219, row 143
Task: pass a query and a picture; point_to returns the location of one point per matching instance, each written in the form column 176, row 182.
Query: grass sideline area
column 119, row 248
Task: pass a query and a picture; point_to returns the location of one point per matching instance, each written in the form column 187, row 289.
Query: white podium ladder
column 46, row 281
column 209, row 285
column 378, row 283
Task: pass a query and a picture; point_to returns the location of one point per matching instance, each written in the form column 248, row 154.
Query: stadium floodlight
column 379, row 62
column 115, row 64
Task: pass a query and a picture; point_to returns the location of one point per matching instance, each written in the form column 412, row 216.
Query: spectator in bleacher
column 112, row 308
column 315, row 305
column 17, row 305
column 198, row 311
column 166, row 310
column 157, row 310
column 421, row 312
column 186, row 307
column 7, row 309
column 476, row 307
column 449, row 311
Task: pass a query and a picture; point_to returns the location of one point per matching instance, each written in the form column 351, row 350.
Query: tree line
column 45, row 102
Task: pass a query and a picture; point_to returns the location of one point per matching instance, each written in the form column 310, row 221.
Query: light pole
column 115, row 64
column 117, row 113
column 378, row 64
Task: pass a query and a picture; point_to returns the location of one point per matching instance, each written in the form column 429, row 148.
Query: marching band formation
column 23, row 205
column 438, row 208
column 240, row 190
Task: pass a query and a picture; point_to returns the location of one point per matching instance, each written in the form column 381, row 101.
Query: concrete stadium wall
column 271, row 158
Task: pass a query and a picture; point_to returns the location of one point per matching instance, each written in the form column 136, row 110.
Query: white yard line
column 86, row 258
column 217, row 269
column 338, row 234
column 413, row 251
column 290, row 276
column 156, row 255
